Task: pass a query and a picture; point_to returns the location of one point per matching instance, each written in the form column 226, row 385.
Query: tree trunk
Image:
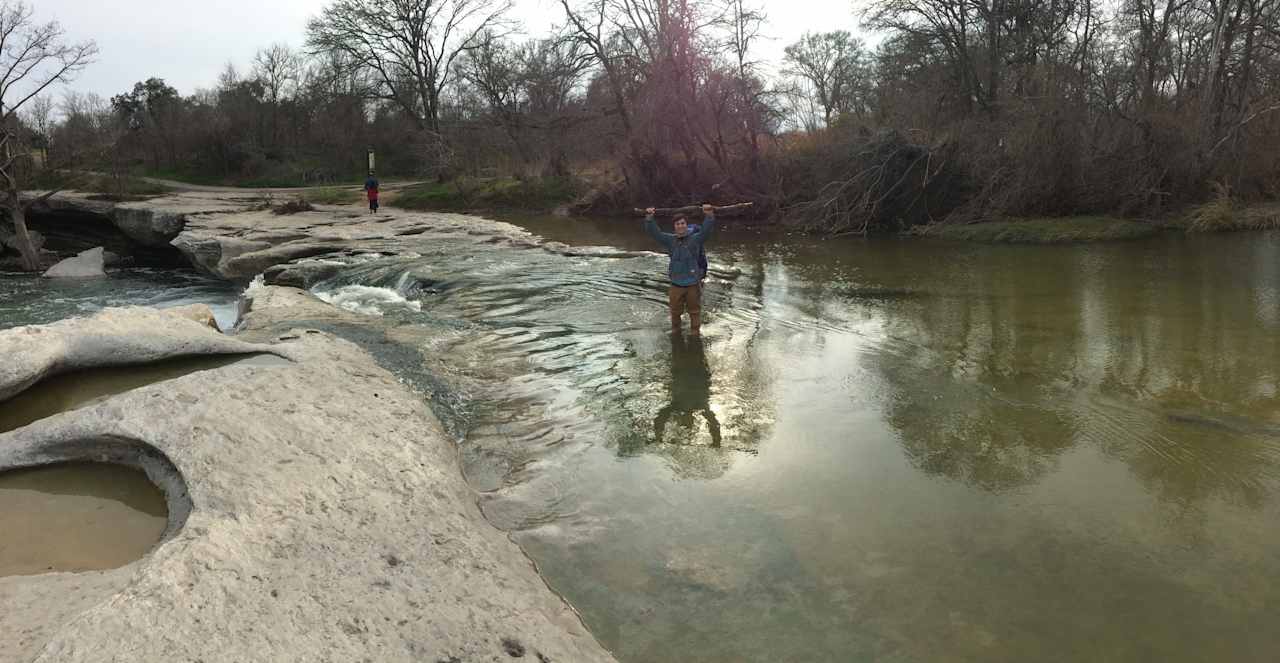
column 30, row 256
column 995, row 22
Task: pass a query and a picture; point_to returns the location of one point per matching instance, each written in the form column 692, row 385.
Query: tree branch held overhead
column 694, row 209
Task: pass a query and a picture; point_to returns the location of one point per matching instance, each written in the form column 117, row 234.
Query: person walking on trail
column 683, row 247
column 371, row 188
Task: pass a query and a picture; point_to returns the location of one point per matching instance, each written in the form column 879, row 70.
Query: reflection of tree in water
column 960, row 432
column 969, row 400
column 1187, row 456
column 1178, row 382
column 1185, row 388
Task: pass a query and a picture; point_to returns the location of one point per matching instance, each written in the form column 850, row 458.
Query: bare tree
column 38, row 116
column 590, row 27
column 831, row 63
column 410, row 44
column 33, row 56
column 279, row 69
column 742, row 21
column 493, row 70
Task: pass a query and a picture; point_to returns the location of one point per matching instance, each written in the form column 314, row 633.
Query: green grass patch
column 283, row 179
column 1060, row 230
column 203, row 179
column 332, row 195
column 542, row 194
column 104, row 187
column 270, row 181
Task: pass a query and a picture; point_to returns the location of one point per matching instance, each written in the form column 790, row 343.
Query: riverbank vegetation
column 960, row 112
column 1061, row 230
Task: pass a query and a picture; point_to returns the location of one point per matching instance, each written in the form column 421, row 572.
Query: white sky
column 188, row 42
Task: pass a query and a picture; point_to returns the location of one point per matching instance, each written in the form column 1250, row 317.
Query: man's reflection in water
column 690, row 388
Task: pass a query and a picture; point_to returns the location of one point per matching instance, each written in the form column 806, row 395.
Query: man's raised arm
column 651, row 227
column 708, row 222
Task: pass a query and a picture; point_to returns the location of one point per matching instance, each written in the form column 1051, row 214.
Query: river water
column 880, row 450
column 31, row 300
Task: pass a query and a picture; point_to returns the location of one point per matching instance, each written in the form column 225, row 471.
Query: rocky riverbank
column 317, row 509
column 234, row 234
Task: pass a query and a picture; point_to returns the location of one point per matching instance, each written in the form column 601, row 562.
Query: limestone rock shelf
column 327, row 520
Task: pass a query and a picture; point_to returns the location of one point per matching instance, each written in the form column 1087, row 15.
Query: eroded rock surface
column 232, row 234
column 114, row 337
column 328, row 516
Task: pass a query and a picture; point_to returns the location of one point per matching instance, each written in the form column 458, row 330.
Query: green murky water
column 880, row 451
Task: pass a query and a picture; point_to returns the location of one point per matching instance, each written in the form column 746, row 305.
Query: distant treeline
column 965, row 110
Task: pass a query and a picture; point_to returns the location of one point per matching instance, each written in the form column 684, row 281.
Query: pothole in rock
column 77, row 517
column 70, row 391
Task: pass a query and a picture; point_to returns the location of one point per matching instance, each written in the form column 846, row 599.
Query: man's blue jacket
column 684, row 251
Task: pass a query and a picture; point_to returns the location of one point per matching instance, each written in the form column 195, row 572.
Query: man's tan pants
column 686, row 297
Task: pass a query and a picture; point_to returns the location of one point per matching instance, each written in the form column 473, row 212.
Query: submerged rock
column 302, row 274
column 87, row 264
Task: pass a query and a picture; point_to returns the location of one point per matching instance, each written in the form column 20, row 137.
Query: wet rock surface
column 303, row 274
column 327, row 517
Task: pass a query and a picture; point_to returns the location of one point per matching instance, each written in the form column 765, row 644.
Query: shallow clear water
column 32, row 300
column 880, row 451
column 77, row 517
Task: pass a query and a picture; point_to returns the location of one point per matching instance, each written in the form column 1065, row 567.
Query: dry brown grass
column 293, row 207
column 1225, row 214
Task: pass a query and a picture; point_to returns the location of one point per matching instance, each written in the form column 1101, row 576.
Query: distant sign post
column 371, row 158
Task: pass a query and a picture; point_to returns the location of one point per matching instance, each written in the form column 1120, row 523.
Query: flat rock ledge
column 326, row 517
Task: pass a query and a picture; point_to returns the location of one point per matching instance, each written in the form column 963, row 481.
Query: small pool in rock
column 79, row 389
column 77, row 517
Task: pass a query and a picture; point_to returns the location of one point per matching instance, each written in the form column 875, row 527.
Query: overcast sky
column 188, row 42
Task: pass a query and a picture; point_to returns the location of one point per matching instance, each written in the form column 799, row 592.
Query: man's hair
column 678, row 219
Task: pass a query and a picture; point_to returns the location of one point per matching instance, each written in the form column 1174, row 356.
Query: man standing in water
column 683, row 269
